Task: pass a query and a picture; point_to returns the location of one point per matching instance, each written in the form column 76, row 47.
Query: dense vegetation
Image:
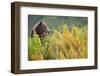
column 63, row 43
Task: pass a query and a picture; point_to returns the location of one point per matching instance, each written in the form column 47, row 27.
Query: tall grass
column 63, row 43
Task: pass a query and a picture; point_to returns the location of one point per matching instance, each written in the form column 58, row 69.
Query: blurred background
column 56, row 21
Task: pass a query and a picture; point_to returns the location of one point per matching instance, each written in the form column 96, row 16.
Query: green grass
column 63, row 43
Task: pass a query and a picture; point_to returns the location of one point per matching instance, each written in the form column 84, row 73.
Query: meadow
column 63, row 43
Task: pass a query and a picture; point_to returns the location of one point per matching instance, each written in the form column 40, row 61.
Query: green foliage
column 63, row 43
column 34, row 46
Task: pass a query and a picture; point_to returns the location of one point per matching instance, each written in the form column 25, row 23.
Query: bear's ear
column 40, row 23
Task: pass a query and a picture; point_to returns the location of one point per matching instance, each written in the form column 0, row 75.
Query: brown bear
column 41, row 29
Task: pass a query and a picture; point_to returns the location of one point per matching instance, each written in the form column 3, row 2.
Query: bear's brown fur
column 41, row 29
